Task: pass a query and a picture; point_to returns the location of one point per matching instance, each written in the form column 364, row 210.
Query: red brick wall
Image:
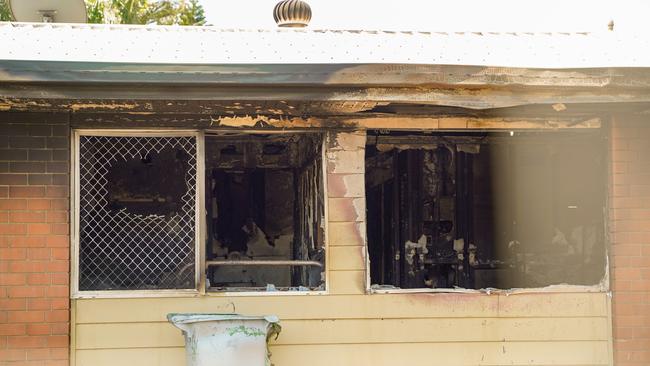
column 630, row 236
column 34, row 241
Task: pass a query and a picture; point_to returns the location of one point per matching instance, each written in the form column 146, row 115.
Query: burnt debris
column 265, row 203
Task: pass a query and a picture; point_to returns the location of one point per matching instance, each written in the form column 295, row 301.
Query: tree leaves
column 163, row 12
column 5, row 14
column 192, row 14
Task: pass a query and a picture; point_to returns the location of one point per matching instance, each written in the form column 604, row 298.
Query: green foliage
column 247, row 331
column 163, row 12
column 5, row 14
column 95, row 10
column 191, row 13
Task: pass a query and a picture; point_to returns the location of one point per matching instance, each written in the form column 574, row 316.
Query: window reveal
column 481, row 211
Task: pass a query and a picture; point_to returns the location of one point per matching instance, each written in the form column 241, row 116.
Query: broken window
column 137, row 212
column 485, row 210
column 138, row 208
column 265, row 212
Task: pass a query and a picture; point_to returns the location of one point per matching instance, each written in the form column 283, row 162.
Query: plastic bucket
column 226, row 339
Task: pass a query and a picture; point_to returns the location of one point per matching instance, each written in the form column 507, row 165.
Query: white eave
column 210, row 45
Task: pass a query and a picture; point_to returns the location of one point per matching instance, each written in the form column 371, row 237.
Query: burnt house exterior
column 394, row 197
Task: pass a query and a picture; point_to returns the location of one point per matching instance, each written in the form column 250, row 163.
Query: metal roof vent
column 292, row 13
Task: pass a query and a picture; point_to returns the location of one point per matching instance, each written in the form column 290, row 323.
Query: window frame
column 200, row 218
column 602, row 287
column 230, row 293
column 75, row 293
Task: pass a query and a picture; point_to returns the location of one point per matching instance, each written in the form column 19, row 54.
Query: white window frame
column 326, row 291
column 200, row 219
column 75, row 293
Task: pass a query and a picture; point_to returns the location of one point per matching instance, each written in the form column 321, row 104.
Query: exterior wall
column 358, row 329
column 348, row 326
column 630, row 238
column 34, row 241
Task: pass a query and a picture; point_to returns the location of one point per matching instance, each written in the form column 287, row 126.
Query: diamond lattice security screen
column 137, row 212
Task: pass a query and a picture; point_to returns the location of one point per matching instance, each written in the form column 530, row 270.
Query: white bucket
column 226, row 339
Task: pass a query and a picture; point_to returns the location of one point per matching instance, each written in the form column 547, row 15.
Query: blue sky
column 438, row 15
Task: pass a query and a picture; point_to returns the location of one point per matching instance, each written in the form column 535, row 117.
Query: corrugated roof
column 210, row 45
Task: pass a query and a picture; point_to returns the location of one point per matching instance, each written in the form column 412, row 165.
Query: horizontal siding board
column 347, row 258
column 140, row 357
column 386, row 306
column 591, row 353
column 443, row 330
column 448, row 354
column 129, row 335
column 346, row 233
column 545, row 304
column 347, row 282
column 356, row 331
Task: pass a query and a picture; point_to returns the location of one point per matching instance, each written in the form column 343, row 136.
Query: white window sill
column 493, row 291
column 125, row 294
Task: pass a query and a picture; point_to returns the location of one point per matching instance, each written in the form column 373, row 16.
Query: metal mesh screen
column 133, row 233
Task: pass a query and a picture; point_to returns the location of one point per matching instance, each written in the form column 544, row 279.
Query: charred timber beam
column 366, row 121
column 145, row 98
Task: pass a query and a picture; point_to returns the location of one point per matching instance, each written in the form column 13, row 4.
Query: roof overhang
column 108, row 68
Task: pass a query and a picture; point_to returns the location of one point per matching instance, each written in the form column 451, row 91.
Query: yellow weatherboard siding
column 348, row 326
column 380, row 329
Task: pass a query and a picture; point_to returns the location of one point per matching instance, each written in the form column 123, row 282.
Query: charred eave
column 312, row 74
column 143, row 98
column 297, row 89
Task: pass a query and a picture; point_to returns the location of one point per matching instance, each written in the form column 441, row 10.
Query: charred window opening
column 265, row 212
column 485, row 210
column 137, row 210
column 135, row 184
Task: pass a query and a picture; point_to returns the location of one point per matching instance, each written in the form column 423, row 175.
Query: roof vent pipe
column 292, row 13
